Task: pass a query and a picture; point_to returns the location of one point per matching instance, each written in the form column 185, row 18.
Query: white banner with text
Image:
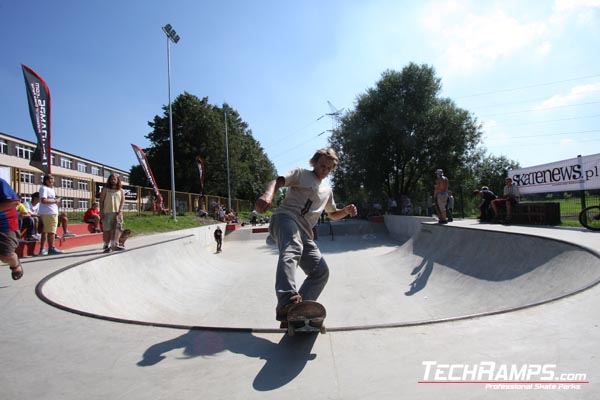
column 580, row 173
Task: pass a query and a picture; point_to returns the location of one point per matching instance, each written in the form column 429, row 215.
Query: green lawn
column 147, row 223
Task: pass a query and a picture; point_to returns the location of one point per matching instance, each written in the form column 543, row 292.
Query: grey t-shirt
column 306, row 198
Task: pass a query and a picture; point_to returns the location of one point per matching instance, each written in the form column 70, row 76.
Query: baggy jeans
column 296, row 249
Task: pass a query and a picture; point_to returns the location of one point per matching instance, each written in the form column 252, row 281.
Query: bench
column 534, row 213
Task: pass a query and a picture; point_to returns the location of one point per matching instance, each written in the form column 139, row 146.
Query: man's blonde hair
column 325, row 152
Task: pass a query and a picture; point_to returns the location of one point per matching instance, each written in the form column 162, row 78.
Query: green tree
column 491, row 171
column 199, row 130
column 398, row 134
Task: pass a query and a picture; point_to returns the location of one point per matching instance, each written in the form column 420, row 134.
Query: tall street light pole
column 227, row 155
column 172, row 36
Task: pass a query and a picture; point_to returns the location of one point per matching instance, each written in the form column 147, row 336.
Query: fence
column 466, row 204
column 78, row 193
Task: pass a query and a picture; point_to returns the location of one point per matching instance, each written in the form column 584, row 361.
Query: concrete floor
column 384, row 294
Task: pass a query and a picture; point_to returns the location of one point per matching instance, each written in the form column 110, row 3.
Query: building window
column 66, row 183
column 66, row 163
column 81, row 167
column 27, row 177
column 82, row 185
column 24, row 151
column 95, row 170
column 67, row 204
column 84, row 204
column 3, row 147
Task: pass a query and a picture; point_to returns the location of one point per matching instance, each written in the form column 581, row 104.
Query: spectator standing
column 48, row 212
column 440, row 195
column 450, row 206
column 112, row 201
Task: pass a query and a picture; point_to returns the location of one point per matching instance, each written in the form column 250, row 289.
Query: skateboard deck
column 306, row 316
column 124, row 236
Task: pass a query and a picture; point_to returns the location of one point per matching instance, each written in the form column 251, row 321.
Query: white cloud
column 561, row 6
column 575, row 95
column 474, row 35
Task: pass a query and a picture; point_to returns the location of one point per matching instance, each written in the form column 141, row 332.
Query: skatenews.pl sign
column 581, row 173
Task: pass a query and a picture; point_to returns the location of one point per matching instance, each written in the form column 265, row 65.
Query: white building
column 77, row 179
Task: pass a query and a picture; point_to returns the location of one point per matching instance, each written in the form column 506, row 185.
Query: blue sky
column 528, row 70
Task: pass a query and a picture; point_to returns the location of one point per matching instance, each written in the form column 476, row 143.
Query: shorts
column 502, row 202
column 9, row 241
column 441, row 200
column 109, row 222
column 50, row 222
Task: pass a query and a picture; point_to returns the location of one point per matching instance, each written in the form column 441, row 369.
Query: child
column 218, row 238
column 291, row 228
column 92, row 216
column 9, row 229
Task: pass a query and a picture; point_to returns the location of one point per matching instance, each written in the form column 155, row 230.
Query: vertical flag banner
column 201, row 170
column 141, row 156
column 38, row 97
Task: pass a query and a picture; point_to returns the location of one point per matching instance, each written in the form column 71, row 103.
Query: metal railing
column 78, row 193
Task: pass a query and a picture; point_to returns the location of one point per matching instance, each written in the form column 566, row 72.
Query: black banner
column 141, row 156
column 38, row 97
column 130, row 192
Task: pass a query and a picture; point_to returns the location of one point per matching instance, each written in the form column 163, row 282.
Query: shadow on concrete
column 422, row 272
column 493, row 256
column 284, row 360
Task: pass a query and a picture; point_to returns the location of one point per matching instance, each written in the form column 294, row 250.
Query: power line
column 546, row 121
column 528, row 86
column 540, row 109
column 546, row 135
column 538, row 144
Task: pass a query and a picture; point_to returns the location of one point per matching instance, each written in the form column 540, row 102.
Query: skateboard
column 306, row 316
column 124, row 236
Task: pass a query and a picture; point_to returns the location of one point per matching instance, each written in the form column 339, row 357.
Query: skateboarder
column 218, row 238
column 291, row 228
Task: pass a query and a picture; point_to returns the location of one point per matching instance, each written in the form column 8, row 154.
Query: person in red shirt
column 92, row 216
column 9, row 229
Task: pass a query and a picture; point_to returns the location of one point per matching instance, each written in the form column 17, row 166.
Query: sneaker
column 118, row 247
column 281, row 314
column 106, row 249
column 68, row 234
column 36, row 237
column 43, row 252
column 97, row 231
column 54, row 250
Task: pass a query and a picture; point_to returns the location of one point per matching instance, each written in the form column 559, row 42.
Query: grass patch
column 148, row 223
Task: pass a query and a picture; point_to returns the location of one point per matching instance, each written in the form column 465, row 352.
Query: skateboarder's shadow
column 422, row 272
column 284, row 360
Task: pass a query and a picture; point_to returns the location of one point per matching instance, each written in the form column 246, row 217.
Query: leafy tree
column 199, row 130
column 491, row 171
column 399, row 133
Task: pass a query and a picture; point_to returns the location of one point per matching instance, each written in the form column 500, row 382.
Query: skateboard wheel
column 323, row 330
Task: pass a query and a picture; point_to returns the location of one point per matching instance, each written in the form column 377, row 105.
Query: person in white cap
column 440, row 195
